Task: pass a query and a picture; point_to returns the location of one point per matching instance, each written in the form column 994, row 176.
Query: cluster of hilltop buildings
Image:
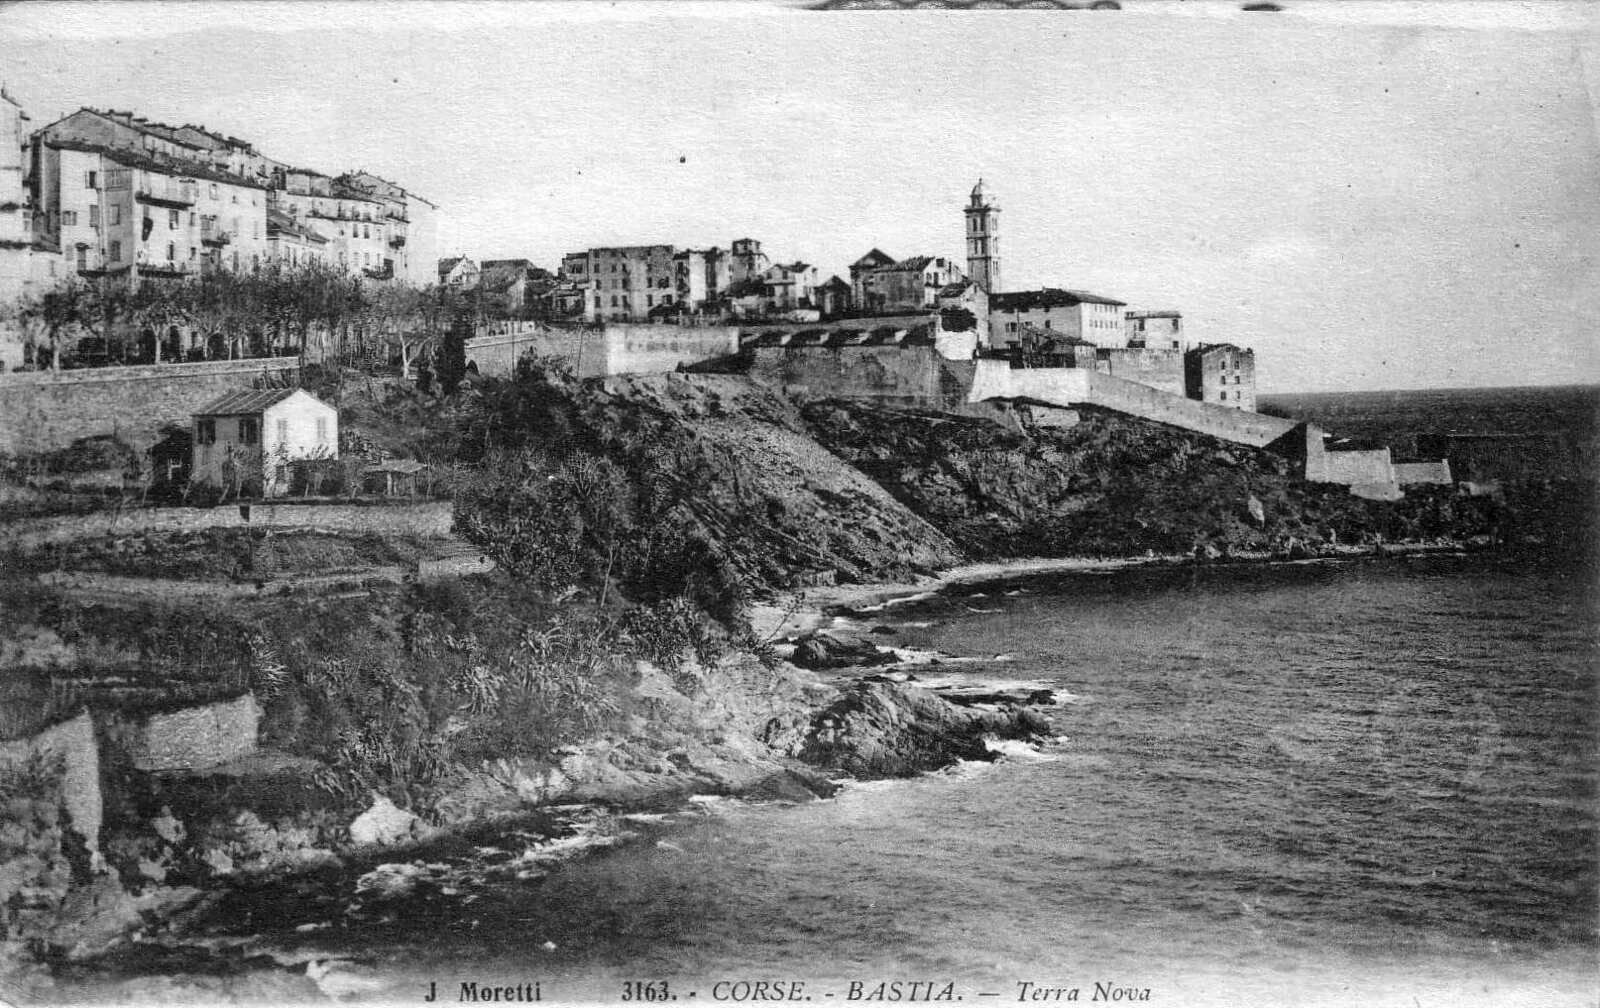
column 775, row 303
column 108, row 194
column 103, row 193
column 920, row 331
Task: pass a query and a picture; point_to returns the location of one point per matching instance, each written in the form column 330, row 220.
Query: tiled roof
column 955, row 289
column 916, row 264
column 877, row 257
column 180, row 167
column 834, row 283
column 1154, row 314
column 244, row 401
column 446, row 265
column 1048, row 297
column 285, row 223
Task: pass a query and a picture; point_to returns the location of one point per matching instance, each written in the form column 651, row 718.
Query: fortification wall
column 638, row 348
column 431, row 519
column 45, row 410
column 619, row 348
column 1372, row 465
column 997, row 379
column 1241, row 426
column 497, row 354
column 882, row 373
column 1160, row 369
column 1413, row 473
column 1067, row 387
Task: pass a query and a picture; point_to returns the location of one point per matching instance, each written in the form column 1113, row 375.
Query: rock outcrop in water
column 882, row 729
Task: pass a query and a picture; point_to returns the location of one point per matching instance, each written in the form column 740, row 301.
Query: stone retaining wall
column 194, row 738
column 429, row 520
column 45, row 410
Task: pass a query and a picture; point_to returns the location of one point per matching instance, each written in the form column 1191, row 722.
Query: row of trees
column 319, row 313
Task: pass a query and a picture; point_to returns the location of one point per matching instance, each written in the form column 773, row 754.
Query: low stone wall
column 194, row 738
column 431, row 519
column 45, row 410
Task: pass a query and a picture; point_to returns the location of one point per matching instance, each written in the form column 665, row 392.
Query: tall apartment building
column 25, row 265
column 117, row 194
column 628, row 283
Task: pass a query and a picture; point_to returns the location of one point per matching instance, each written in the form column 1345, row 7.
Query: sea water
column 1356, row 783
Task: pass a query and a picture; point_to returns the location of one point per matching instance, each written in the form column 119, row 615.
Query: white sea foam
column 1014, row 749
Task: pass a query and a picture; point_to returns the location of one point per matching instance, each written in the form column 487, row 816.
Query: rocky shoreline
column 805, row 734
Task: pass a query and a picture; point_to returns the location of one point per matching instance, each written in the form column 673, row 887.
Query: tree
column 451, row 362
column 106, row 309
column 160, row 306
column 47, row 318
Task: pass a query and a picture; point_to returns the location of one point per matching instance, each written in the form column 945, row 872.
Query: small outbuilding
column 393, row 477
column 248, row 439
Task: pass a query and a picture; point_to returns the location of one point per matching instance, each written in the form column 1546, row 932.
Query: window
column 322, row 430
column 90, row 180
column 206, row 431
column 191, row 252
column 113, row 214
column 213, row 190
column 116, row 251
column 283, row 431
column 250, row 429
column 172, row 251
column 83, row 259
column 69, row 218
column 94, row 215
column 172, row 220
column 649, row 300
column 191, row 219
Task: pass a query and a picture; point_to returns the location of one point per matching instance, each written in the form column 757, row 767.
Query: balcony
column 398, row 241
column 214, row 236
column 166, row 192
column 167, row 270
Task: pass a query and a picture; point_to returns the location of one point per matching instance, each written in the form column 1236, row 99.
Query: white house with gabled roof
column 257, row 433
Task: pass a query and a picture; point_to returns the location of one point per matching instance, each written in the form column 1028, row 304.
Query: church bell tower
column 983, row 241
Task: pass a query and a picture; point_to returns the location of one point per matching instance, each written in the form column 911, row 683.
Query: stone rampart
column 882, row 373
column 1159, row 368
column 1069, row 387
column 1371, row 465
column 45, row 410
column 619, row 348
column 431, row 519
column 1415, row 473
column 1240, row 426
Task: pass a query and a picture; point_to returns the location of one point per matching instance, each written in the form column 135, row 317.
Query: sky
column 1372, row 195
